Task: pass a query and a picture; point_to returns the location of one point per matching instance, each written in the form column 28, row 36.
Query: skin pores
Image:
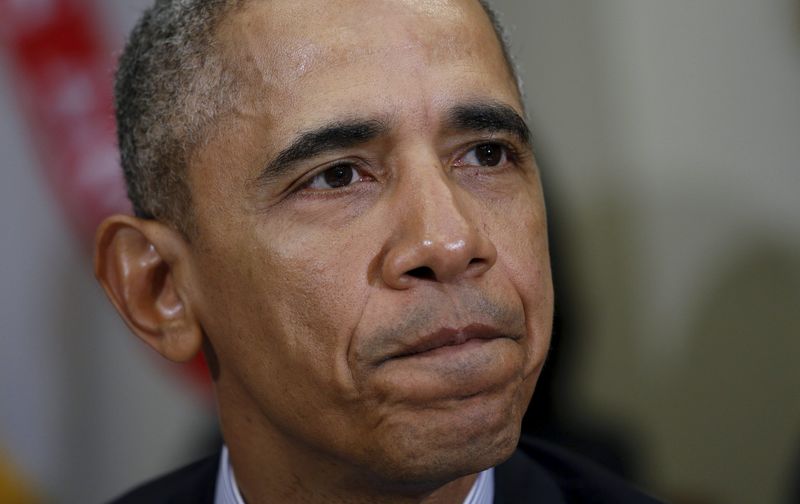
column 327, row 289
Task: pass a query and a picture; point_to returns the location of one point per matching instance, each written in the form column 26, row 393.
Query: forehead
column 291, row 28
column 277, row 44
column 302, row 64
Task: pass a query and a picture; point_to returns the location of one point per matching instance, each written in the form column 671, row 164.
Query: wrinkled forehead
column 276, row 42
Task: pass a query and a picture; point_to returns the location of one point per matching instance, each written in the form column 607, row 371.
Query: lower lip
column 448, row 350
column 457, row 371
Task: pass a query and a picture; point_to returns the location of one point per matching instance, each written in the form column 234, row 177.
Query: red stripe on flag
column 62, row 69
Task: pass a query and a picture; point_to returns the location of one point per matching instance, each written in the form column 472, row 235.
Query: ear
column 143, row 266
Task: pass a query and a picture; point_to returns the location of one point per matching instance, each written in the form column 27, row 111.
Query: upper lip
column 447, row 337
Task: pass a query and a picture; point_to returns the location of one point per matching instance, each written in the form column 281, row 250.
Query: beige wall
column 670, row 134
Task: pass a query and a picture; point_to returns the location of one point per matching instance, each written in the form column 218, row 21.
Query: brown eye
column 339, row 176
column 488, row 154
column 335, row 177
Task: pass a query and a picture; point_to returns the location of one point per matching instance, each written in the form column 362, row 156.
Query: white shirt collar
column 227, row 490
column 482, row 491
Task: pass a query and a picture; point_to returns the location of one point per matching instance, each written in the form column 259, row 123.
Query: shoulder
column 193, row 484
column 542, row 469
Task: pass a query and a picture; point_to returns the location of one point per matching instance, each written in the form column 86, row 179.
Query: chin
column 435, row 446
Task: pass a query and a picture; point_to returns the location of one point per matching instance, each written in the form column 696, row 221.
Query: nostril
column 423, row 273
column 477, row 264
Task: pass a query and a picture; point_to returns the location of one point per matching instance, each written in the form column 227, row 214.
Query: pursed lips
column 448, row 337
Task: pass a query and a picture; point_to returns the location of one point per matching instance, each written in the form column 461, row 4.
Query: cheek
column 304, row 298
column 524, row 259
column 519, row 231
column 281, row 321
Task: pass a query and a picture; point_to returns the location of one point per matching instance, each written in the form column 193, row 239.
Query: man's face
column 371, row 265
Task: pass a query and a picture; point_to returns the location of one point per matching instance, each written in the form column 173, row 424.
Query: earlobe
column 142, row 267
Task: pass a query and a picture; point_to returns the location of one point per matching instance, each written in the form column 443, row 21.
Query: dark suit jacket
column 537, row 473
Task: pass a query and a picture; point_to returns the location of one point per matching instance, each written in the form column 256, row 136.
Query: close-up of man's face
column 368, row 262
column 372, row 203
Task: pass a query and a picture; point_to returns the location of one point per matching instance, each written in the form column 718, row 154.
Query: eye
column 335, row 177
column 487, row 154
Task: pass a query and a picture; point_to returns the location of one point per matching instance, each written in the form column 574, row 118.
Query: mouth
column 451, row 363
column 448, row 339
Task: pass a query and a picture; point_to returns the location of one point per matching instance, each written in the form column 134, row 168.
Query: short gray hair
column 171, row 84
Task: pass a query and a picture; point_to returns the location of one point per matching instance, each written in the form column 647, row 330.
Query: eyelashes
column 344, row 174
column 335, row 177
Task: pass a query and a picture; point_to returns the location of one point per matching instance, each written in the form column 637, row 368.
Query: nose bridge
column 436, row 235
column 439, row 213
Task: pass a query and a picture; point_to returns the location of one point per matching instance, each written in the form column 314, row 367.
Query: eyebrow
column 331, row 137
column 478, row 116
column 491, row 117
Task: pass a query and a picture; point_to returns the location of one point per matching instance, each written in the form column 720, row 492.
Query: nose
column 437, row 237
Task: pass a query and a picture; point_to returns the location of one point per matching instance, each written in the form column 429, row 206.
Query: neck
column 258, row 488
column 272, row 467
column 264, row 482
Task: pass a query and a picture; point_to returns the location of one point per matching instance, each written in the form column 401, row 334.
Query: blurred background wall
column 669, row 138
column 85, row 409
